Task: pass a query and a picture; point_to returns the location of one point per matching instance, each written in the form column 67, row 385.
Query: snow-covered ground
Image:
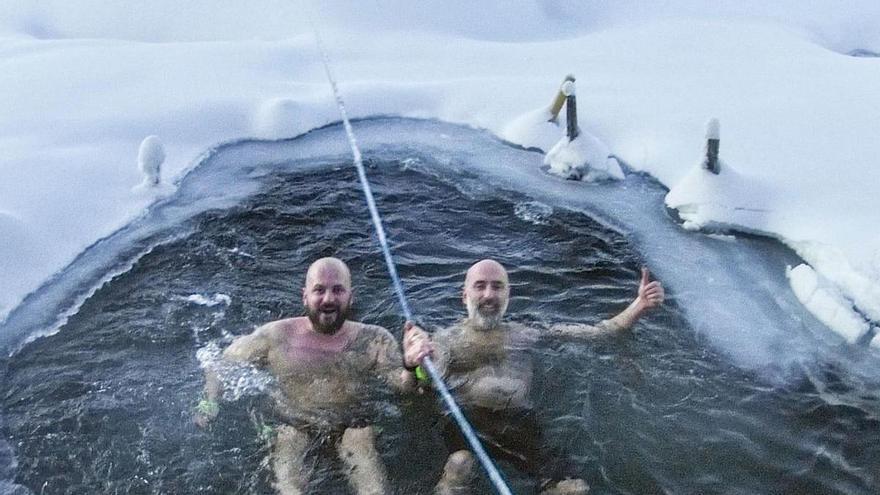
column 83, row 83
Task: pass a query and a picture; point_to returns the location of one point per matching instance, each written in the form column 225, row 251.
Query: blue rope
column 427, row 363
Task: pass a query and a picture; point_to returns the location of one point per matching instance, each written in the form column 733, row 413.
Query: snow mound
column 279, row 118
column 151, row 155
column 585, row 158
column 533, row 129
column 826, row 303
column 708, row 201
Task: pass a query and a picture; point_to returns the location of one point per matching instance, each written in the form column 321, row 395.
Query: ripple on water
column 533, row 212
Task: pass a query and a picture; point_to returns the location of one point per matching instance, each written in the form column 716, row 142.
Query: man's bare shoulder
column 278, row 330
column 276, row 327
column 521, row 332
column 452, row 333
column 455, row 328
column 374, row 333
column 255, row 346
column 517, row 327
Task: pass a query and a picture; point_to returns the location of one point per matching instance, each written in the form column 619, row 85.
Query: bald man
column 484, row 360
column 328, row 369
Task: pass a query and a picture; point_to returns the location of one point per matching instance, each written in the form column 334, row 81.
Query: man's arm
column 650, row 296
column 252, row 348
column 390, row 363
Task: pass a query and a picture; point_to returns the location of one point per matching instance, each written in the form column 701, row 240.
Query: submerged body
column 328, row 369
column 324, row 380
column 490, row 370
column 487, row 364
column 491, row 373
column 493, row 368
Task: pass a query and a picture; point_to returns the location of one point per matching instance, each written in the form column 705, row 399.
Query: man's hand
column 206, row 411
column 651, row 294
column 208, row 408
column 416, row 345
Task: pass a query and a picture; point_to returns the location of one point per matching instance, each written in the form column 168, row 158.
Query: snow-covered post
column 556, row 106
column 150, row 157
column 571, row 115
column 713, row 145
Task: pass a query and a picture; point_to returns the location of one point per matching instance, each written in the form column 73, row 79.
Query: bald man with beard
column 328, row 369
column 485, row 363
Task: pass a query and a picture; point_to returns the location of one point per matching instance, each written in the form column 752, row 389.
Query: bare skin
column 483, row 358
column 326, row 366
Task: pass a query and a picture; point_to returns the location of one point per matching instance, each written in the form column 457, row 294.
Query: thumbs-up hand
column 651, row 294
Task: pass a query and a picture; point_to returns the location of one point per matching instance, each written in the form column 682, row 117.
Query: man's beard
column 321, row 324
column 486, row 316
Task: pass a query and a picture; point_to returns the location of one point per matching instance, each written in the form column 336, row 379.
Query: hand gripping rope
column 427, row 363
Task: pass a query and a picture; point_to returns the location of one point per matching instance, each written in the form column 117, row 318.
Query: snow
column 534, row 129
column 826, row 303
column 151, row 154
column 713, row 129
column 584, row 158
column 83, row 82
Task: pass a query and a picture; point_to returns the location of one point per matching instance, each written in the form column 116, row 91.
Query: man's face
column 327, row 299
column 486, row 293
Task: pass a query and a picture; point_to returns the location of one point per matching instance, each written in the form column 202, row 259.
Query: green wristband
column 208, row 407
column 421, row 374
column 265, row 432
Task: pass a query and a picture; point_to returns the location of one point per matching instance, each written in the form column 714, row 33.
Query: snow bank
column 727, row 200
column 824, row 301
column 730, row 200
column 84, row 81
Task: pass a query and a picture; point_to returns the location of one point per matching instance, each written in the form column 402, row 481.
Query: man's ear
column 305, row 303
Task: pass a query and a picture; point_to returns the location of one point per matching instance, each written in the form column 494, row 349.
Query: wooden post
column 571, row 115
column 713, row 145
column 556, row 106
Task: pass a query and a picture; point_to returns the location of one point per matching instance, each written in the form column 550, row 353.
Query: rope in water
column 427, row 363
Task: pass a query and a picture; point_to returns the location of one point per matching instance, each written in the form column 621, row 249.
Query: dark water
column 105, row 404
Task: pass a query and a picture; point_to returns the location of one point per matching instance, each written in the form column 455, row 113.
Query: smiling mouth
column 488, row 307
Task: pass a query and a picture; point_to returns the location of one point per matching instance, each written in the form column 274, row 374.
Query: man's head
column 327, row 294
column 486, row 293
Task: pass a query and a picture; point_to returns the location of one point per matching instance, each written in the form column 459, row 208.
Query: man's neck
column 309, row 328
column 483, row 327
